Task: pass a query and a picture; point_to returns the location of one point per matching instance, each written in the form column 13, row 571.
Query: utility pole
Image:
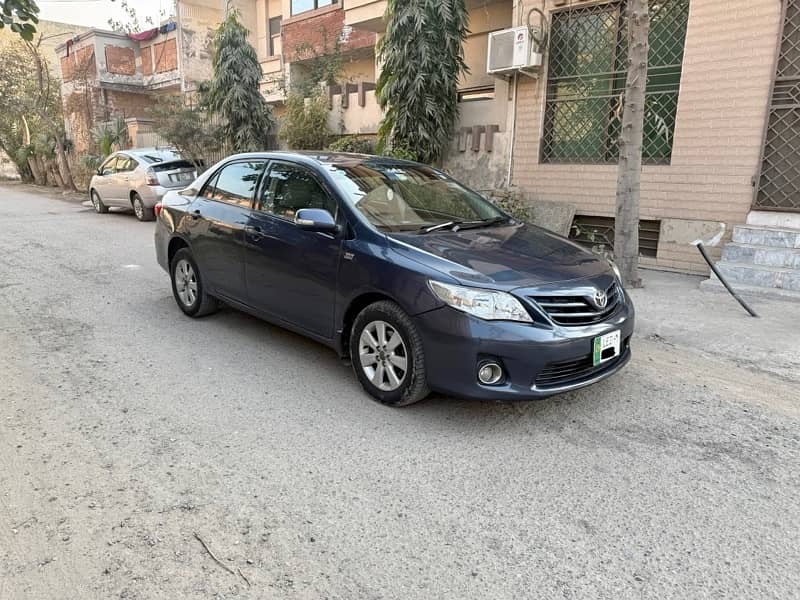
column 626, row 231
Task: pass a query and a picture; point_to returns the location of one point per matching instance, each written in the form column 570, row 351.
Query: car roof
column 162, row 153
column 322, row 157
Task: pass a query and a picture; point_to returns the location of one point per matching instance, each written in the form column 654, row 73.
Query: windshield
column 398, row 197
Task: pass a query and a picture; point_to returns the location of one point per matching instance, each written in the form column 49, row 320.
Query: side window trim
column 265, row 181
column 215, row 177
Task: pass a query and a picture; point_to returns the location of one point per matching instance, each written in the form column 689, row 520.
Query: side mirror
column 315, row 219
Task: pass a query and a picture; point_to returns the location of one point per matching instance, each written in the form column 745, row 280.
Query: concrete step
column 715, row 285
column 760, row 275
column 766, row 236
column 768, row 256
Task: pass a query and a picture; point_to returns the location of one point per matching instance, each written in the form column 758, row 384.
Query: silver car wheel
column 138, row 208
column 186, row 282
column 383, row 355
column 95, row 202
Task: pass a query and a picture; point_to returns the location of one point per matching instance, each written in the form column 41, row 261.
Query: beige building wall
column 727, row 69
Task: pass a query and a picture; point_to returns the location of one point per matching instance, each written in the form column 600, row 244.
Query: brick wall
column 120, row 60
column 320, row 30
column 79, row 61
column 147, row 61
column 165, row 56
column 727, row 69
column 127, row 104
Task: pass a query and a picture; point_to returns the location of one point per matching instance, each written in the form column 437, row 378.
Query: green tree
column 233, row 92
column 131, row 24
column 305, row 124
column 187, row 128
column 20, row 16
column 423, row 58
column 31, row 109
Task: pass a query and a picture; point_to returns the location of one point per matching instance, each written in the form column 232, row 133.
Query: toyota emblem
column 600, row 299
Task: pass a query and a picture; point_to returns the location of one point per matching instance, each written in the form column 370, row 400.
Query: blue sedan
column 423, row 283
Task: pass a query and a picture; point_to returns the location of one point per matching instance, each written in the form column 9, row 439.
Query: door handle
column 254, row 231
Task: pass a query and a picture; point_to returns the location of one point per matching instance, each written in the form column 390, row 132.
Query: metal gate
column 779, row 181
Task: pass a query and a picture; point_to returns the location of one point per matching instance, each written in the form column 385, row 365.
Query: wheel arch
column 175, row 244
column 356, row 305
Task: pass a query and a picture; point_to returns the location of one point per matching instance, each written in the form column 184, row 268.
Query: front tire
column 142, row 212
column 97, row 203
column 187, row 286
column 387, row 355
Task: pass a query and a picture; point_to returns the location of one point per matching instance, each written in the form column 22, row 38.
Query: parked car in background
column 423, row 283
column 138, row 179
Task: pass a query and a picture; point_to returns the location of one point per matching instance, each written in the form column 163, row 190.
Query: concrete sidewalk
column 673, row 309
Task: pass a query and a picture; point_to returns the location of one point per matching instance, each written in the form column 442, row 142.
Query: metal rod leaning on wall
column 711, row 264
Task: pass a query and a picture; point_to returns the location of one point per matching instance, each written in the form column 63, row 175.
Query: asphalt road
column 126, row 428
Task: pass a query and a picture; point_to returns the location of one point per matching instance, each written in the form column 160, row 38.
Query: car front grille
column 575, row 311
column 566, row 372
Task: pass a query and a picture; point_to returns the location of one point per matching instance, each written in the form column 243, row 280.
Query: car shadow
column 455, row 412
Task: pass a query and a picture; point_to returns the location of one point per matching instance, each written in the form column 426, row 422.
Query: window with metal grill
column 586, row 82
column 597, row 234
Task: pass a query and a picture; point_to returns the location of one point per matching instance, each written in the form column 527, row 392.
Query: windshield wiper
column 482, row 223
column 437, row 227
column 462, row 225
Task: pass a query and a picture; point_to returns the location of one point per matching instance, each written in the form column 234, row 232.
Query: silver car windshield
column 400, row 197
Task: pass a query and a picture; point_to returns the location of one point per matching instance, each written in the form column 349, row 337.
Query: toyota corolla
column 421, row 282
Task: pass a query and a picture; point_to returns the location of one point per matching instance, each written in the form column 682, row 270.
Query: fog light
column 490, row 373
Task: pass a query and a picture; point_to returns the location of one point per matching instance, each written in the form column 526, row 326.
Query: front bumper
column 539, row 361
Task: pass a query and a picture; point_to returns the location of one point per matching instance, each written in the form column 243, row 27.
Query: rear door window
column 125, row 164
column 110, row 166
column 235, row 183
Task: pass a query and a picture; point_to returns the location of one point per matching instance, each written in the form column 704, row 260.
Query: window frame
column 272, row 36
column 308, row 10
column 212, row 180
column 265, row 176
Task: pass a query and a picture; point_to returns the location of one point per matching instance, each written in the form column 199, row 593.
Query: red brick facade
column 79, row 61
column 120, row 60
column 147, row 61
column 306, row 37
column 166, row 56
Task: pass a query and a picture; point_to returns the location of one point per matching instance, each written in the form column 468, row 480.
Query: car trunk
column 174, row 173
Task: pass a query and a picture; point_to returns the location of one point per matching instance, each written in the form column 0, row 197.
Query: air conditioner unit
column 512, row 50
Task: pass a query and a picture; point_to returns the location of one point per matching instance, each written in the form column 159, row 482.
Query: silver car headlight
column 484, row 304
column 615, row 268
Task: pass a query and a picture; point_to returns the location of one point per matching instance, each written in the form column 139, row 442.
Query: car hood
column 501, row 257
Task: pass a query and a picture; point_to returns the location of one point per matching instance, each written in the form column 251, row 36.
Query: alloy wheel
column 186, row 282
column 383, row 355
column 138, row 208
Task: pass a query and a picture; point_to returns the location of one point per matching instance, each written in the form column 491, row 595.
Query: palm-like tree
column 233, row 92
column 423, row 58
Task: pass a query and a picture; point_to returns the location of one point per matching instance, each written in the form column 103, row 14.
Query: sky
column 96, row 13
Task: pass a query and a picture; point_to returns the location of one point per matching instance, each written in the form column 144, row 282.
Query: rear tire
column 187, row 286
column 142, row 212
column 97, row 203
column 387, row 355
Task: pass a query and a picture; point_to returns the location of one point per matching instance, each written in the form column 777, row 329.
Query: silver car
column 138, row 179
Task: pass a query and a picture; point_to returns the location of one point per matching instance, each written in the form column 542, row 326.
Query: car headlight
column 615, row 268
column 484, row 304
